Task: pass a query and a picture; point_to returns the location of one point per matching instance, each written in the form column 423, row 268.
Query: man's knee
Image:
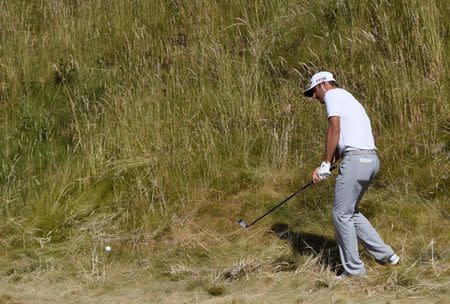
column 340, row 215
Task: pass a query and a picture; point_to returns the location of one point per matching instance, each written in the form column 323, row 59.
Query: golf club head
column 242, row 223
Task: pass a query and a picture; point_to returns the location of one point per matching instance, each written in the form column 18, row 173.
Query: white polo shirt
column 356, row 131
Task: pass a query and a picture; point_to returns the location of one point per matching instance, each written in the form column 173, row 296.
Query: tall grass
column 144, row 111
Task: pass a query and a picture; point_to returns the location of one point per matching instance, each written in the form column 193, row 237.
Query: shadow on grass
column 309, row 243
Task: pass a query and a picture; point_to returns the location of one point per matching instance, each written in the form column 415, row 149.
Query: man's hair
column 333, row 83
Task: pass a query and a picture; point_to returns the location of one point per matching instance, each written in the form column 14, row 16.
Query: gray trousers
column 357, row 170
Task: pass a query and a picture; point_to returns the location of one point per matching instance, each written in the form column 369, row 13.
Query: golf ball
column 108, row 248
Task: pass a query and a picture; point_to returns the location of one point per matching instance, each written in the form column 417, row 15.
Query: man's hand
column 322, row 172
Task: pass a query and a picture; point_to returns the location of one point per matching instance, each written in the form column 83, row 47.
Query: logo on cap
column 321, row 79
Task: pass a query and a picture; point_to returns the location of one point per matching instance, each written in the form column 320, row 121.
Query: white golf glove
column 324, row 170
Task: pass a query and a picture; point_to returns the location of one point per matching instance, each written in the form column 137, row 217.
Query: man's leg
column 343, row 210
column 371, row 239
column 364, row 230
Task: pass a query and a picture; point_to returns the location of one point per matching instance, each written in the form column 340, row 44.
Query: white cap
column 317, row 79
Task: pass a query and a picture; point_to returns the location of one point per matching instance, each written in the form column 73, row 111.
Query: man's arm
column 333, row 133
column 337, row 155
column 332, row 140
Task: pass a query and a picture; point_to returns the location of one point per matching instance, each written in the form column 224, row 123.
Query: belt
column 360, row 152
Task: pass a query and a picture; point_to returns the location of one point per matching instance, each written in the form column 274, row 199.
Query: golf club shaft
column 281, row 203
column 286, row 199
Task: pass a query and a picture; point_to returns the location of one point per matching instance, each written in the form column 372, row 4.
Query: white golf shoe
column 393, row 260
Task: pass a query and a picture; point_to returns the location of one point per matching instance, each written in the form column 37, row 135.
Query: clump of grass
column 405, row 278
column 244, row 268
column 320, row 284
column 181, row 272
column 216, row 290
column 284, row 263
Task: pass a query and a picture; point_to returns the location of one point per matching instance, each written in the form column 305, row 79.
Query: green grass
column 152, row 126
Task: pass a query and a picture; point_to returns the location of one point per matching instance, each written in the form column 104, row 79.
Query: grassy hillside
column 152, row 126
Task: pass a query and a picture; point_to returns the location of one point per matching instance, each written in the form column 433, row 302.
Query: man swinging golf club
column 349, row 135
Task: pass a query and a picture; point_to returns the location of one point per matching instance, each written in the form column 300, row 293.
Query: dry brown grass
column 245, row 266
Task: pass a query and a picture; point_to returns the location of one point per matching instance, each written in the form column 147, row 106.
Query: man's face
column 319, row 92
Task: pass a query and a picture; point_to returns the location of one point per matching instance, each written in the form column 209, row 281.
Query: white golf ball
column 108, row 248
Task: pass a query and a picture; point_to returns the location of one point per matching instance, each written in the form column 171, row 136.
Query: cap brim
column 309, row 92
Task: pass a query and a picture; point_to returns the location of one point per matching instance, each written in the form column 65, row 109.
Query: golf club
column 242, row 222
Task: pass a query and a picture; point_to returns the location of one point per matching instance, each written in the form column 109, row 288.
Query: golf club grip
column 333, row 166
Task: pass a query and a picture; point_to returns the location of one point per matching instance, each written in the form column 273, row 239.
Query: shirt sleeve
column 332, row 104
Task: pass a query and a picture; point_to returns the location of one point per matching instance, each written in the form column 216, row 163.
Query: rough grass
column 153, row 126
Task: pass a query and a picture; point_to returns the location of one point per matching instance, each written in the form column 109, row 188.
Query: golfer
column 349, row 136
